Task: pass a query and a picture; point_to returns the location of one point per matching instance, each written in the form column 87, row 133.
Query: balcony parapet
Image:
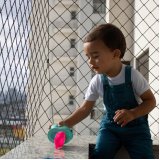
column 39, row 147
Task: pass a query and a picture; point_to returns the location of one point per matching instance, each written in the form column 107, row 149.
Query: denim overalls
column 135, row 136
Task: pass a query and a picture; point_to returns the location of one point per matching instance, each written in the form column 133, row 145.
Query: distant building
column 13, row 109
column 1, row 101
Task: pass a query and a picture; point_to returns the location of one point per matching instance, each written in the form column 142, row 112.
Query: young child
column 126, row 96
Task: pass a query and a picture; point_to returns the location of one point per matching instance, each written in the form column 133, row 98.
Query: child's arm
column 81, row 113
column 144, row 108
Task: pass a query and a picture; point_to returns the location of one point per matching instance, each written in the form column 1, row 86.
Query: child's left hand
column 124, row 116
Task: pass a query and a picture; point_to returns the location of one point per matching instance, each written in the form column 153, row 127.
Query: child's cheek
column 97, row 61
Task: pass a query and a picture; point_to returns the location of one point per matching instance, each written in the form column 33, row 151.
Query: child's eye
column 95, row 57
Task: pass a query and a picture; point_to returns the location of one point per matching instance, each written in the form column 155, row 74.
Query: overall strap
column 104, row 79
column 128, row 73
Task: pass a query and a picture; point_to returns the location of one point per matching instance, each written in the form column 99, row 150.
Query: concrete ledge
column 39, row 147
column 123, row 154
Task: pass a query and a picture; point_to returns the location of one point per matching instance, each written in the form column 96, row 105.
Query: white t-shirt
column 139, row 84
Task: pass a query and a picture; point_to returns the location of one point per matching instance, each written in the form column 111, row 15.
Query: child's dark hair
column 111, row 35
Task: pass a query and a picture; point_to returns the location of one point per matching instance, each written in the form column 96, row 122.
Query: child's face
column 101, row 58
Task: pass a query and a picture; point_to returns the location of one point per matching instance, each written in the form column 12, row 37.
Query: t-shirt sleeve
column 140, row 84
column 92, row 94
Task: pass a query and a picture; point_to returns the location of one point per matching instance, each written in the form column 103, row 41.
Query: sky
column 14, row 49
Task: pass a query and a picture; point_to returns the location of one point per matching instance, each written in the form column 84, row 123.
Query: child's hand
column 50, row 126
column 124, row 116
column 60, row 124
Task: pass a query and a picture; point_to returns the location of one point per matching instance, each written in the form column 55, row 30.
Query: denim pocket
column 119, row 100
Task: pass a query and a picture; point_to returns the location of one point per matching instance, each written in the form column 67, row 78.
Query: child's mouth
column 95, row 68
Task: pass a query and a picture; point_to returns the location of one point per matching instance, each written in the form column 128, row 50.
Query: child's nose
column 91, row 61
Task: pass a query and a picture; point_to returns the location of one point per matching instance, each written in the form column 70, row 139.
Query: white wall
column 121, row 13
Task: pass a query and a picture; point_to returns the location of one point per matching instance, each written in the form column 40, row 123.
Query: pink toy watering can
column 59, row 135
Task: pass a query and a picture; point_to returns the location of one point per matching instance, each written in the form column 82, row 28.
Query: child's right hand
column 60, row 124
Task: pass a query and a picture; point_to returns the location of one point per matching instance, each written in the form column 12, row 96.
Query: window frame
column 100, row 9
column 73, row 15
column 73, row 43
column 71, row 72
column 71, row 99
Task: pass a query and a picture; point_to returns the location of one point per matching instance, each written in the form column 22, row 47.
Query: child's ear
column 117, row 53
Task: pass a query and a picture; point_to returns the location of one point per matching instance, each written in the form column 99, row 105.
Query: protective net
column 43, row 68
